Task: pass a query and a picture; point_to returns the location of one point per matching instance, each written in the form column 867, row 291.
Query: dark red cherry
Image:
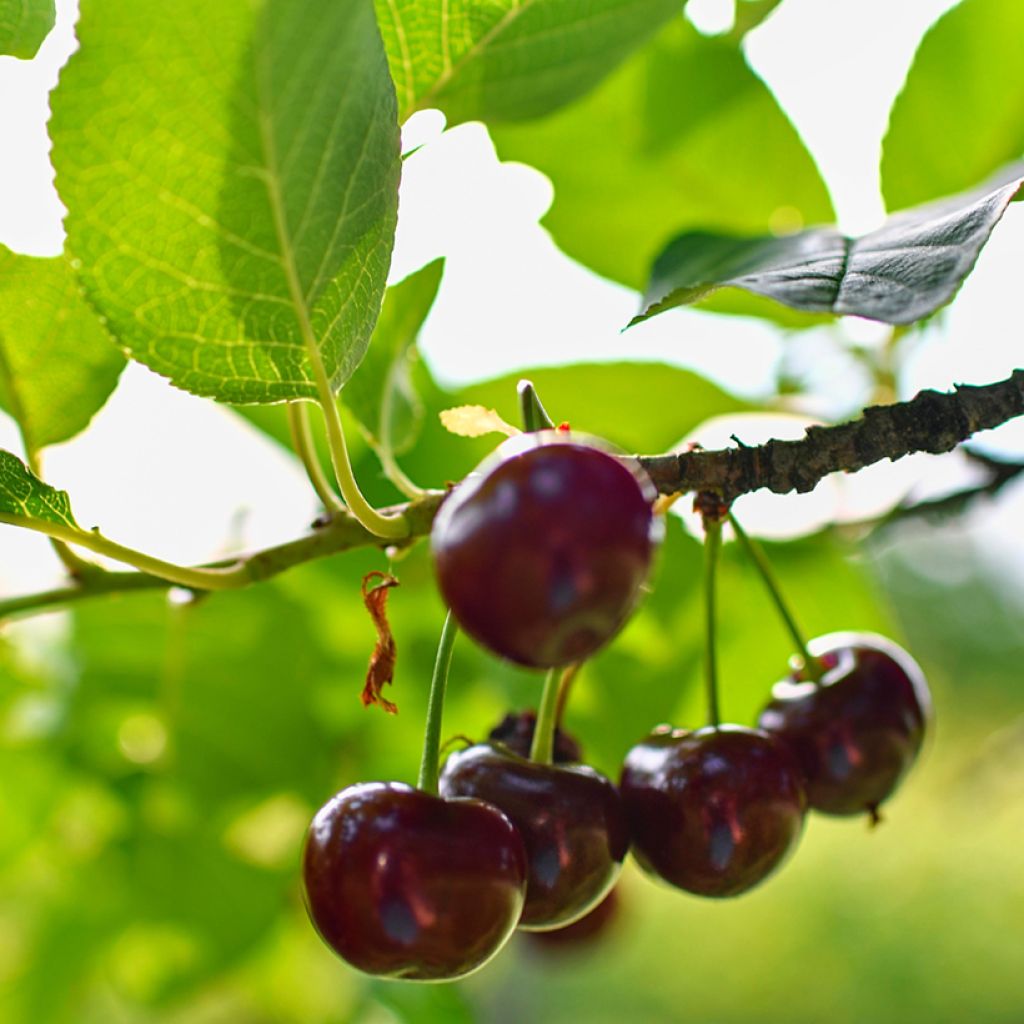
column 571, row 821
column 515, row 731
column 857, row 732
column 585, row 931
column 404, row 884
column 714, row 811
column 542, row 552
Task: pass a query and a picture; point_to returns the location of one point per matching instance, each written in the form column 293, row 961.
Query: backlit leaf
column 24, row 24
column 508, row 59
column 683, row 136
column 24, row 495
column 231, row 175
column 58, row 365
column 958, row 118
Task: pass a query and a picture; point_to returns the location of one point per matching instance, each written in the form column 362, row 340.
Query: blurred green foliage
column 161, row 758
column 160, row 764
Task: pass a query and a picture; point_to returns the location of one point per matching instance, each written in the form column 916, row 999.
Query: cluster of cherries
column 541, row 556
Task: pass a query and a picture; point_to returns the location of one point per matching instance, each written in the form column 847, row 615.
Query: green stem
column 812, row 666
column 199, row 579
column 342, row 534
column 564, row 686
column 389, row 527
column 394, row 472
column 98, row 583
column 386, row 448
column 542, row 749
column 430, row 763
column 302, row 441
column 712, row 542
column 534, row 415
column 77, row 567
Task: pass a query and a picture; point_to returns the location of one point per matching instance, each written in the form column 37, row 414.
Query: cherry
column 542, row 552
column 713, row 811
column 404, row 884
column 571, row 821
column 858, row 731
column 515, row 731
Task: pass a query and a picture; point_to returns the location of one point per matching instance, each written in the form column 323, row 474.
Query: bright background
column 922, row 921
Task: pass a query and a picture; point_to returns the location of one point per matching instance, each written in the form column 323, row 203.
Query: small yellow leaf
column 475, row 421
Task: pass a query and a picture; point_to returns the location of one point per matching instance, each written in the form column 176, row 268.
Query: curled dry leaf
column 475, row 421
column 381, row 669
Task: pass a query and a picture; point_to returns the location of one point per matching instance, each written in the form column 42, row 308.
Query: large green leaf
column 23, row 494
column 231, row 175
column 508, row 59
column 57, row 362
column 683, row 135
column 381, row 395
column 24, row 24
column 900, row 273
column 958, row 117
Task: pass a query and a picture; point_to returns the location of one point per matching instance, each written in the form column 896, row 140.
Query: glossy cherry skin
column 715, row 811
column 403, row 884
column 541, row 553
column 859, row 731
column 571, row 821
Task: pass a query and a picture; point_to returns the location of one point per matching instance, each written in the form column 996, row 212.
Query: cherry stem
column 812, row 666
column 712, row 542
column 542, row 750
column 302, row 442
column 430, row 763
column 564, row 687
column 534, row 415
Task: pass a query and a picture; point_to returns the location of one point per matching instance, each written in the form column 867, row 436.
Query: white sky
column 181, row 478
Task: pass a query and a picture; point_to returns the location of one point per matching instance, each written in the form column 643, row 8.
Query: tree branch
column 931, row 422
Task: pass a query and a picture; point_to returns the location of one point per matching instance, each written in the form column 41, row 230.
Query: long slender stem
column 431, row 761
column 341, row 534
column 569, row 675
column 302, row 441
column 534, row 415
column 76, row 566
column 390, row 527
column 542, row 750
column 98, row 583
column 712, row 542
column 200, row 579
column 756, row 554
column 386, row 447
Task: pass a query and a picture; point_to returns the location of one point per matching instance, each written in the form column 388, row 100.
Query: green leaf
column 381, row 395
column 57, row 363
column 24, row 495
column 24, row 24
column 683, row 135
column 750, row 14
column 641, row 407
column 958, row 118
column 900, row 273
column 508, row 60
column 231, row 173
